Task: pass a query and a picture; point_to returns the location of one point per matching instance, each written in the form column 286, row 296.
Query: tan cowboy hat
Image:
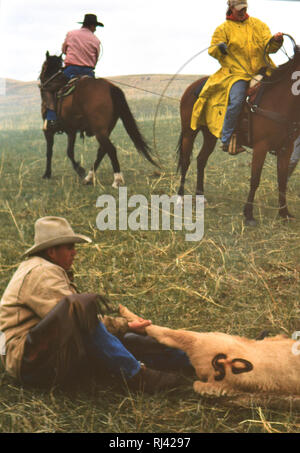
column 51, row 231
column 238, row 4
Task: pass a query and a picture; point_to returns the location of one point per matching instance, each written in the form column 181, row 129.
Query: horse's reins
column 42, row 85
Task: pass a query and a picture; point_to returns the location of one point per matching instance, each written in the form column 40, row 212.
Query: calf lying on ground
column 227, row 365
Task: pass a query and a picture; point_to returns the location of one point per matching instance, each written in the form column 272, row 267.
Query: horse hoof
column 286, row 215
column 89, row 179
column 118, row 180
column 46, row 176
column 251, row 222
column 288, row 218
column 87, row 182
column 81, row 172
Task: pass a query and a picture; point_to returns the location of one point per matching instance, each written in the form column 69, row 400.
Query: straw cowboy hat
column 51, row 231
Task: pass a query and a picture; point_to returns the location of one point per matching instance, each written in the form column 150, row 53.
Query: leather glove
column 223, row 48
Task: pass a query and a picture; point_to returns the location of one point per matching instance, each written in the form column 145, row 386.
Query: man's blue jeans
column 109, row 353
column 237, row 97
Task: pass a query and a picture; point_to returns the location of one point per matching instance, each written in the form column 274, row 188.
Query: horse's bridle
column 293, row 127
column 42, row 85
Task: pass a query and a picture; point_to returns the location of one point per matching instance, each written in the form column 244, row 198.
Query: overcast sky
column 139, row 36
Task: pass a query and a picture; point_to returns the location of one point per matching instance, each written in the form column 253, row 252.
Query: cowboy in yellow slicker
column 238, row 44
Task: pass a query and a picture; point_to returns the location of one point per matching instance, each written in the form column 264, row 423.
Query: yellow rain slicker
column 245, row 42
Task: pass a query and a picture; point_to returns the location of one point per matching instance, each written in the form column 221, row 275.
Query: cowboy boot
column 48, row 95
column 151, row 381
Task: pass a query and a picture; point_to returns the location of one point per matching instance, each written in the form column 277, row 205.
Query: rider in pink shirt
column 82, row 49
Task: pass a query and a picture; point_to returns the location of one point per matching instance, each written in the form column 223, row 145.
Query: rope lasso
column 163, row 93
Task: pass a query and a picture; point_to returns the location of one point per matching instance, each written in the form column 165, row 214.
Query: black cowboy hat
column 91, row 19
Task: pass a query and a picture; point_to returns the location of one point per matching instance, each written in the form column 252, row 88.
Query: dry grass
column 237, row 280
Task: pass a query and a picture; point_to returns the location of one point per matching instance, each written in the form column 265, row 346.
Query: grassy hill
column 20, row 106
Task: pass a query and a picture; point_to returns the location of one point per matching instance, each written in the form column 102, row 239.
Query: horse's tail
column 124, row 112
column 179, row 151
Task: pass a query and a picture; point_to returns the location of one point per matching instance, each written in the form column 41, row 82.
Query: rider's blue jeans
column 296, row 152
column 236, row 99
column 75, row 71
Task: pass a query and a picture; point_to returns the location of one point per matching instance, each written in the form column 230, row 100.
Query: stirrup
column 52, row 126
column 234, row 148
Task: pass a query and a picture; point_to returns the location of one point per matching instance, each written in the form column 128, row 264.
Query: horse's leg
column 49, row 136
column 106, row 146
column 185, row 149
column 258, row 159
column 112, row 153
column 283, row 159
column 118, row 175
column 70, row 152
column 209, row 143
column 90, row 176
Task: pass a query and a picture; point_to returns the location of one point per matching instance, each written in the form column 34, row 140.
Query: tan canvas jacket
column 35, row 288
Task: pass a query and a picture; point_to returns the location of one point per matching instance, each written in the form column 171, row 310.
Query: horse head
column 51, row 65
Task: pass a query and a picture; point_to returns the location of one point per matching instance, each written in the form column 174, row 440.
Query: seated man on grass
column 53, row 333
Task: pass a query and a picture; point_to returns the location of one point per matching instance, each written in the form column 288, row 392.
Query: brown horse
column 275, row 125
column 92, row 108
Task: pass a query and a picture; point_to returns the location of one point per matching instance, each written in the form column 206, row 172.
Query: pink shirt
column 81, row 47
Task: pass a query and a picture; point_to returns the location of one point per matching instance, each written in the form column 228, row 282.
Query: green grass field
column 237, row 280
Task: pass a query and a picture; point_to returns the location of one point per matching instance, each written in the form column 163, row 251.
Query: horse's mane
column 285, row 68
